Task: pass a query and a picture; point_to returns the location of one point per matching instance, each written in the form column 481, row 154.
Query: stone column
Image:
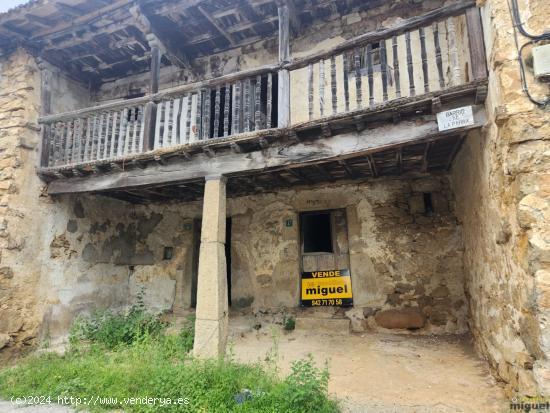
column 212, row 308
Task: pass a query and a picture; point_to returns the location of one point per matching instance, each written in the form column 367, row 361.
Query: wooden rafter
column 217, row 26
column 172, row 53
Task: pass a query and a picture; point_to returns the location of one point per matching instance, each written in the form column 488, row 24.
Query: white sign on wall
column 455, row 118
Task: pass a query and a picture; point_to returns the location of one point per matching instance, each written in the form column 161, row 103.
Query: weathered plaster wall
column 502, row 188
column 399, row 256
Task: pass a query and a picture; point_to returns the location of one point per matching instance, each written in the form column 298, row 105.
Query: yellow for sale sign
column 326, row 288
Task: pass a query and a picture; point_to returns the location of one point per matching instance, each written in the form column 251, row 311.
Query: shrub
column 111, row 329
column 289, row 324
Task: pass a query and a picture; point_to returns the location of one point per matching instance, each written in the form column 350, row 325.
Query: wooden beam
column 293, row 16
column 326, row 174
column 278, row 155
column 217, row 26
column 372, row 165
column 454, row 151
column 425, row 157
column 173, row 53
column 298, row 175
column 347, row 168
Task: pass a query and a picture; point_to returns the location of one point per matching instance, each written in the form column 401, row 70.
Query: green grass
column 151, row 364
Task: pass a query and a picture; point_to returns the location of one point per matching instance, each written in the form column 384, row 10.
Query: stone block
column 425, row 185
column 4, row 340
column 212, row 281
column 404, row 318
column 214, row 210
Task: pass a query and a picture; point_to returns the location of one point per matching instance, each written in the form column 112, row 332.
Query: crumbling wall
column 401, row 256
column 502, row 187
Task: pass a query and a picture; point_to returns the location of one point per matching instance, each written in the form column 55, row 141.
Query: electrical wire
column 518, row 26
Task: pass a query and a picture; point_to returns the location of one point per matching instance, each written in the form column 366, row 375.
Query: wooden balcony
column 390, row 77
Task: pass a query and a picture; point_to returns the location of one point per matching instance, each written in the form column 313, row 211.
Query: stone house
column 209, row 152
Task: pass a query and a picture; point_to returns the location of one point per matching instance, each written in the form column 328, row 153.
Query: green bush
column 112, row 329
column 290, row 323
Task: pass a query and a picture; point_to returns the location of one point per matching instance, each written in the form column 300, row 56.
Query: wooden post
column 284, row 34
column 477, row 46
column 154, row 44
column 283, row 110
column 45, row 109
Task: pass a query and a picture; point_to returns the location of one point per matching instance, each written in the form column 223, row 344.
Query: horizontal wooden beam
column 277, row 156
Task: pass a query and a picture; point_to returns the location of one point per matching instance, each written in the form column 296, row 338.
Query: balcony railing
column 426, row 54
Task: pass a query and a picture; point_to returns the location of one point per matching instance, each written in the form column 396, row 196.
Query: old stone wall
column 502, row 188
column 400, row 255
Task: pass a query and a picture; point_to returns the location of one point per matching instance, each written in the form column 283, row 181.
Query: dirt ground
column 383, row 373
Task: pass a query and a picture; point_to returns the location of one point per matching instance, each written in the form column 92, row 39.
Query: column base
column 210, row 337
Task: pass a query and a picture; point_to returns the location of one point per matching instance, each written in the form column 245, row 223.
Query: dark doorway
column 195, row 265
column 228, row 257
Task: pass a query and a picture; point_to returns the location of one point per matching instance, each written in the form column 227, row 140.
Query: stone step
column 330, row 325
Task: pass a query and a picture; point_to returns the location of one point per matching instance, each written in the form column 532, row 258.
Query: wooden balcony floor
column 398, row 138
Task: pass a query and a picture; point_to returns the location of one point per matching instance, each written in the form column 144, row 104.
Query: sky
column 5, row 5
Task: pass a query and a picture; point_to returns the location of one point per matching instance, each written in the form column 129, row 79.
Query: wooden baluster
column 108, row 135
column 246, row 107
column 410, row 63
column 333, row 85
column 199, row 115
column 175, row 121
column 226, row 109
column 157, row 125
column 237, row 92
column 269, row 103
column 99, row 136
column 70, row 143
column 454, row 60
column 438, row 58
column 424, row 56
column 141, row 126
column 128, row 130
column 396, row 78
column 207, row 96
column 346, row 80
column 185, row 102
column 135, row 136
column 53, row 144
column 88, row 139
column 95, row 133
column 77, row 147
column 166, row 123
column 358, row 91
column 193, row 126
column 217, row 109
column 112, row 151
column 370, row 74
column 310, row 90
column 322, row 87
column 384, row 68
column 122, row 131
column 258, row 103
